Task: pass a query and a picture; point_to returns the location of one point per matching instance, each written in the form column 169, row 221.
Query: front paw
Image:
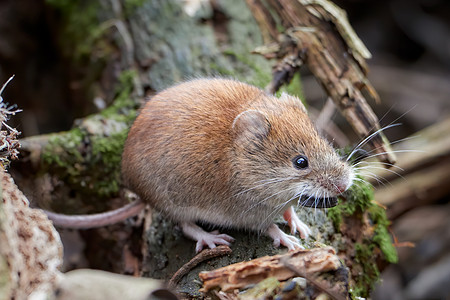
column 296, row 224
column 281, row 238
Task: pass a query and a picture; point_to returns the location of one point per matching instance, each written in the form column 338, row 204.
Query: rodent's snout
column 336, row 187
column 341, row 187
column 345, row 182
column 336, row 184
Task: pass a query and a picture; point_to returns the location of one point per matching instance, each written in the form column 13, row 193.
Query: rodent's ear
column 293, row 100
column 251, row 124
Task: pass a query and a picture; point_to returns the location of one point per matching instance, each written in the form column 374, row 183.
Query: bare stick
column 200, row 257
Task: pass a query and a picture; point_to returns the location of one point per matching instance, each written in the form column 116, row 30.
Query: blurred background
column 410, row 69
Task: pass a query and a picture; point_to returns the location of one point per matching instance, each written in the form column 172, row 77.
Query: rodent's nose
column 341, row 187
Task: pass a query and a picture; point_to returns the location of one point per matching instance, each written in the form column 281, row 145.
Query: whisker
column 397, row 151
column 377, row 163
column 380, row 168
column 265, row 199
column 379, row 147
column 271, row 179
column 364, row 141
column 275, row 180
column 277, row 209
column 300, row 195
column 365, row 168
column 315, row 200
column 395, row 142
column 392, row 124
column 403, row 114
column 364, row 181
column 302, row 204
column 380, row 180
column 284, row 203
column 357, row 147
column 385, row 114
column 359, row 179
column 337, row 189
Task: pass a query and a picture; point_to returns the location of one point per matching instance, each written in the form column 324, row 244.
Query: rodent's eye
column 300, row 162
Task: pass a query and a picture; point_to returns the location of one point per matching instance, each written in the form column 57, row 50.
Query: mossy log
column 151, row 45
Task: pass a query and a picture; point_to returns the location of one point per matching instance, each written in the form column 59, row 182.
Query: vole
column 227, row 153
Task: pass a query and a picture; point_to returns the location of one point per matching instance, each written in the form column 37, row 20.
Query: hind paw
column 203, row 238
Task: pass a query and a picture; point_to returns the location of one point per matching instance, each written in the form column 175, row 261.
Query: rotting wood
column 317, row 34
column 242, row 274
column 321, row 285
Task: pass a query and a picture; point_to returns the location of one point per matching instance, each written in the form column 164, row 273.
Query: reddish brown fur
column 188, row 155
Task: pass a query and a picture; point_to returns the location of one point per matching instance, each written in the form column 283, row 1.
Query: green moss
column 89, row 164
column 384, row 241
column 360, row 196
column 382, row 236
column 378, row 215
column 89, row 161
column 106, row 152
column 62, row 150
column 357, row 200
column 335, row 215
column 364, row 257
column 369, row 273
column 222, row 70
column 358, row 203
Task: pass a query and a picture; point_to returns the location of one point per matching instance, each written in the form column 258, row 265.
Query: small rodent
column 227, row 153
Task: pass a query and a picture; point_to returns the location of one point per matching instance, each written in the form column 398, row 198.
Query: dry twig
column 8, row 138
column 200, row 257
